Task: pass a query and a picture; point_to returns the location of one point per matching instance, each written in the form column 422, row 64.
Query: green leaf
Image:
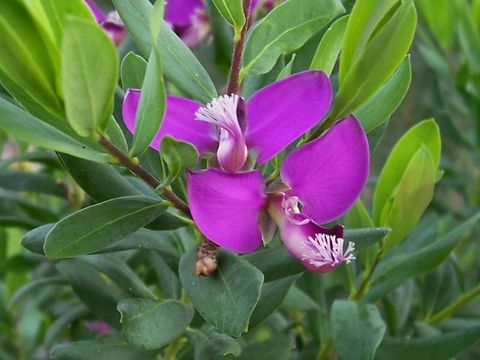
column 440, row 347
column 280, row 32
column 275, row 263
column 278, row 348
column 287, row 69
column 31, row 130
column 133, row 71
column 330, row 46
column 179, row 157
column 469, row 35
column 412, row 196
column 101, row 225
column 151, row 108
column 381, row 106
column 357, row 329
column 106, row 349
column 180, row 65
column 93, row 288
column 149, row 324
column 168, row 281
column 404, row 264
column 89, row 75
column 364, row 20
column 226, row 298
column 34, row 239
column 208, row 344
column 374, row 61
column 424, row 133
column 25, row 59
column 365, row 237
column 297, row 299
column 156, row 19
column 440, row 16
column 30, row 181
column 232, row 11
column 271, row 298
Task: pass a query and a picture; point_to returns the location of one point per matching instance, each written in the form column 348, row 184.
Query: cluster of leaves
column 100, row 244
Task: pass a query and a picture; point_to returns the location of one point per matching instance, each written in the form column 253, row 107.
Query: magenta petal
column 226, row 207
column 96, row 11
column 179, row 122
column 296, row 239
column 180, row 12
column 281, row 112
column 329, row 173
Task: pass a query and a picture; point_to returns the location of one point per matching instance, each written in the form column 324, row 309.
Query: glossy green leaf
column 93, row 288
column 364, row 20
column 395, row 269
column 31, row 130
column 101, row 225
column 440, row 347
column 374, row 60
column 25, row 59
column 226, row 298
column 106, row 349
column 271, row 298
column 411, row 197
column 150, row 324
column 330, row 46
column 89, row 75
column 181, row 67
column 280, row 32
column 232, row 11
column 179, row 157
column 381, row 106
column 151, row 108
column 424, row 133
column 133, row 71
column 357, row 329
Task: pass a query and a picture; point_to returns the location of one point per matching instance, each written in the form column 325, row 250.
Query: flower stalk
column 143, row 174
column 233, row 81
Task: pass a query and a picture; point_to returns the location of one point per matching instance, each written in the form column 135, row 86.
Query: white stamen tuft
column 325, row 249
column 221, row 112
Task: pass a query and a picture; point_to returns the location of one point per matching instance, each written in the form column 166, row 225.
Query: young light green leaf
column 469, row 35
column 424, row 133
column 357, row 329
column 152, row 105
column 287, row 69
column 31, row 130
column 330, row 46
column 280, row 32
column 181, row 67
column 89, row 75
column 98, row 226
column 440, row 16
column 381, row 106
column 178, row 155
column 149, row 324
column 232, row 11
column 133, row 71
column 226, row 298
column 376, row 61
column 410, row 198
column 156, row 20
column 364, row 20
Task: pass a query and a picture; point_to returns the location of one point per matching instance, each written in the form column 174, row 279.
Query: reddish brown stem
column 143, row 174
column 233, row 83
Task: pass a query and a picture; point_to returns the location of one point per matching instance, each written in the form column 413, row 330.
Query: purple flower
column 98, row 327
column 266, row 123
column 320, row 181
column 111, row 22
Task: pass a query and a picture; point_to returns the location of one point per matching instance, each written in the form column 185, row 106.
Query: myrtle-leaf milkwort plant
column 198, row 180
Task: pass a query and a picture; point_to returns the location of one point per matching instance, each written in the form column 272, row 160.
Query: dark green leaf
column 150, row 324
column 98, row 226
column 226, row 298
column 357, row 329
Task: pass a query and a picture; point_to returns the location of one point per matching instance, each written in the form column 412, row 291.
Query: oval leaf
column 98, row 226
